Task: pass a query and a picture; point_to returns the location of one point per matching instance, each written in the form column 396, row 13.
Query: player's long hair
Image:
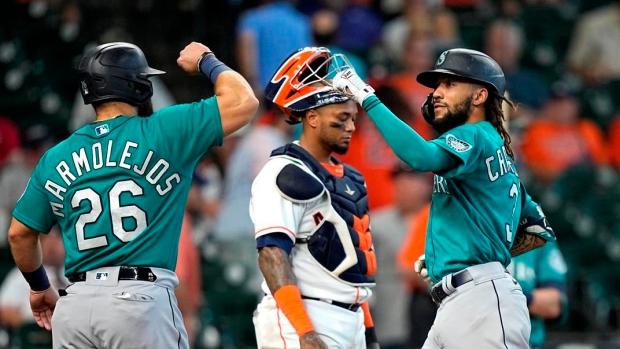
column 495, row 115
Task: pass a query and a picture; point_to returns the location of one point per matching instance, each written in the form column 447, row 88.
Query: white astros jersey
column 273, row 212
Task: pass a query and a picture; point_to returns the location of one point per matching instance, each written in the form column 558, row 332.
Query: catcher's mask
column 293, row 87
column 469, row 64
column 116, row 71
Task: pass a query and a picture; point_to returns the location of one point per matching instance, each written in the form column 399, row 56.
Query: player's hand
column 43, row 304
column 311, row 340
column 420, row 267
column 350, row 84
column 188, row 58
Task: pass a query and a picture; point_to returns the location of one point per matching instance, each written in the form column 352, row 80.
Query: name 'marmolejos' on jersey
column 104, row 184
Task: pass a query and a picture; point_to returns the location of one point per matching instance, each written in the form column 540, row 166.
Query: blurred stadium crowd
column 562, row 63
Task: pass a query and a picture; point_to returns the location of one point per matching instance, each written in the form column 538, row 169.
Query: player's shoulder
column 54, row 153
column 291, row 178
column 175, row 109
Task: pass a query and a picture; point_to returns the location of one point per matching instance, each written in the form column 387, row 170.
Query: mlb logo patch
column 102, row 276
column 102, row 129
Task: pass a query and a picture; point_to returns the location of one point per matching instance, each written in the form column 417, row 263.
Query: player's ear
column 481, row 94
column 312, row 118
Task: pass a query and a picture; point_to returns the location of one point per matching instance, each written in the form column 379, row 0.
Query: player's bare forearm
column 276, row 267
column 25, row 246
column 525, row 242
column 546, row 303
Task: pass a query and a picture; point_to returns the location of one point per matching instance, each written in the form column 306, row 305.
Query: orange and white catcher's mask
column 293, row 87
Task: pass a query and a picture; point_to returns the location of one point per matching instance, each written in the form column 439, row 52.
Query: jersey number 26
column 117, row 213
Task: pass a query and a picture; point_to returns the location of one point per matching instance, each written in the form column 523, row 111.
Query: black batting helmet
column 116, row 71
column 468, row 64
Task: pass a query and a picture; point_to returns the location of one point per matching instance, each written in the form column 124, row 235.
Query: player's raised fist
column 189, row 56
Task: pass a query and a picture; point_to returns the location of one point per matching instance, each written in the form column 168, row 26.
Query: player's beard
column 456, row 117
column 340, row 149
column 333, row 142
column 145, row 109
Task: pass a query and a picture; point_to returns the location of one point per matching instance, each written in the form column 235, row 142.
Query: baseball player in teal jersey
column 478, row 212
column 542, row 276
column 117, row 189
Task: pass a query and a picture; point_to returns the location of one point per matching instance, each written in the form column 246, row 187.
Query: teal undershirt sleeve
column 408, row 145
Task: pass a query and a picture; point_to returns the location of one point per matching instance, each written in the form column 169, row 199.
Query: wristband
column 371, row 335
column 37, row 279
column 210, row 66
column 288, row 299
column 201, row 57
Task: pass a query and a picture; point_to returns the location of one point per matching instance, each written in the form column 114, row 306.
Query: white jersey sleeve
column 269, row 210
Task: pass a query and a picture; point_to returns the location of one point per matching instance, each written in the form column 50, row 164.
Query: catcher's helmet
column 291, row 88
column 116, row 71
column 468, row 64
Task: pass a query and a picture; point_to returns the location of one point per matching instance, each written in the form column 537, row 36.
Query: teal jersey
column 540, row 268
column 118, row 188
column 476, row 206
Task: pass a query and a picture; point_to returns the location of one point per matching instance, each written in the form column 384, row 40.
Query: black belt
column 458, row 279
column 124, row 273
column 349, row 306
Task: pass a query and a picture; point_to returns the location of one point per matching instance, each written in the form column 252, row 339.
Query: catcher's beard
column 455, row 117
column 145, row 109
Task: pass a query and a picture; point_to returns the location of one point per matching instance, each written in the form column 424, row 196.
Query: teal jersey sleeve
column 41, row 219
column 406, row 143
column 117, row 188
column 462, row 144
column 175, row 128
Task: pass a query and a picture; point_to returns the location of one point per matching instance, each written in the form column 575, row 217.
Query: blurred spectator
column 371, row 155
column 421, row 309
column 14, row 294
column 324, row 27
column 233, row 224
column 9, row 139
column 547, row 25
column 262, row 44
column 561, row 138
column 390, row 226
column 595, row 45
column 37, row 139
column 446, row 33
column 189, row 293
column 504, row 42
column 208, row 182
column 542, row 276
column 417, row 57
column 420, row 19
column 415, row 20
column 614, row 143
column 360, row 27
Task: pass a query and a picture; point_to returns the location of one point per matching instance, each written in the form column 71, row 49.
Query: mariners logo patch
column 457, row 144
column 101, row 130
